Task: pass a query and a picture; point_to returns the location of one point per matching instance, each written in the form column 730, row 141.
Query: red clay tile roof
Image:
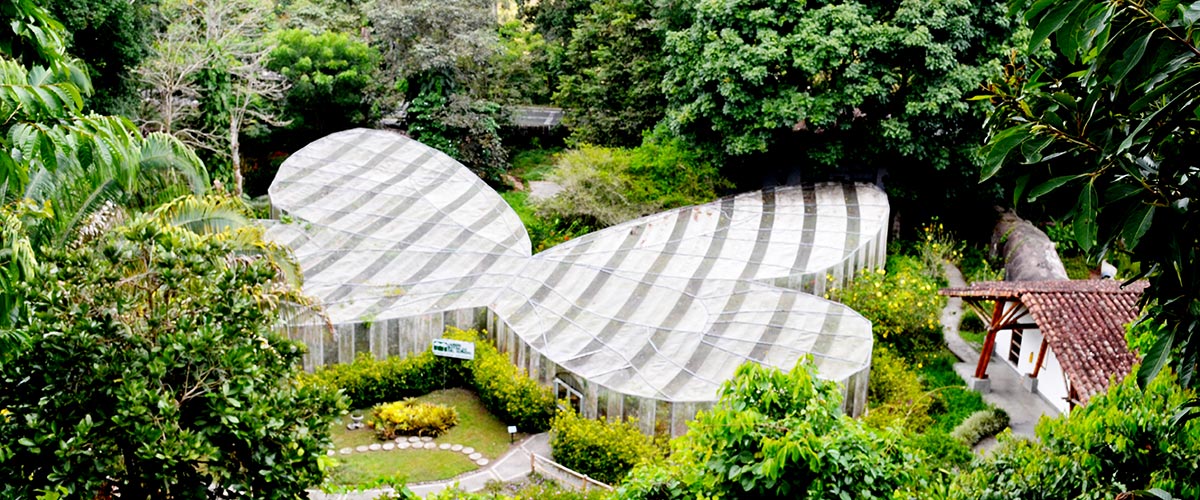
column 1084, row 321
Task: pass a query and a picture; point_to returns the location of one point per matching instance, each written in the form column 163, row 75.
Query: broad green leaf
column 1000, row 146
column 1085, row 217
column 1154, row 360
column 1051, row 23
column 1019, row 189
column 1137, row 224
column 1050, row 185
column 1131, row 57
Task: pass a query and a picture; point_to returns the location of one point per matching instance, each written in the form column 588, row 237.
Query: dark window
column 564, row 392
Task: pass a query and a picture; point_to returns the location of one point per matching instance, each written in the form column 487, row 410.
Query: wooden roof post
column 1041, row 356
column 989, row 343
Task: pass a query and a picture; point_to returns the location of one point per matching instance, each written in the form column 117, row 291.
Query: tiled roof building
column 1080, row 324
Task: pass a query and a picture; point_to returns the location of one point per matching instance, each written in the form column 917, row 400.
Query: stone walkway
column 513, row 465
column 1024, row 408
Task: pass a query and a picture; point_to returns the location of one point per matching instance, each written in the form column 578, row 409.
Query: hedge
column 604, row 450
column 503, row 388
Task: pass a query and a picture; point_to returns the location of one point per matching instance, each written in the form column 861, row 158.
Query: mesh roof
column 666, row 306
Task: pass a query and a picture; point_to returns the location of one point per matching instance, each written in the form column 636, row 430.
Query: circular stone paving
column 430, row 446
column 414, row 439
column 444, row 446
column 476, row 456
column 468, row 450
column 404, row 446
column 456, row 447
column 482, row 461
column 388, row 446
column 362, row 448
column 426, row 439
column 375, row 447
column 346, row 451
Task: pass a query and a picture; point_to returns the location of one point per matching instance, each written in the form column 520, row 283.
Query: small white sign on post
column 453, row 349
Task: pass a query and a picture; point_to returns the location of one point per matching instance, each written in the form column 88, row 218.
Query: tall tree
column 828, row 85
column 1116, row 129
column 154, row 370
column 611, row 73
column 208, row 79
column 111, row 37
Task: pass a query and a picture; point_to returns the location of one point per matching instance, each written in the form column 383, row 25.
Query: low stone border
column 414, row 443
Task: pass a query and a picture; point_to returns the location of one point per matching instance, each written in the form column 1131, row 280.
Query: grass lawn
column 975, row 339
column 534, row 164
column 476, row 428
column 957, row 401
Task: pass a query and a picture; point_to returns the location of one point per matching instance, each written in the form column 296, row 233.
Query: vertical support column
column 989, row 343
column 1040, row 357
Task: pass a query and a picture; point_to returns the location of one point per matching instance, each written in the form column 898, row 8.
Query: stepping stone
column 389, row 446
column 404, row 446
column 444, row 446
column 401, row 440
column 426, row 439
column 482, row 461
column 362, row 448
column 456, row 447
column 375, row 447
column 468, row 450
column 414, row 439
column 331, row 453
column 345, row 451
column 475, row 456
column 430, row 446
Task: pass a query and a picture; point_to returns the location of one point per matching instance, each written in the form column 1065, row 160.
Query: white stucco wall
column 1052, row 383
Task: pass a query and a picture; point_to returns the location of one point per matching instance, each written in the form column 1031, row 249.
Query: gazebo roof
column 1083, row 320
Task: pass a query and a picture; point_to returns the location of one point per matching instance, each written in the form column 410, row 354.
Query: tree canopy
column 1114, row 127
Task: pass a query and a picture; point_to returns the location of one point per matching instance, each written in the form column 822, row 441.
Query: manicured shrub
column 411, row 418
column 979, row 425
column 895, row 397
column 902, row 304
column 506, row 391
column 604, row 450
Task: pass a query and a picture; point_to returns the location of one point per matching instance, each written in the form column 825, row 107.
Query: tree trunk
column 235, row 155
column 1029, row 255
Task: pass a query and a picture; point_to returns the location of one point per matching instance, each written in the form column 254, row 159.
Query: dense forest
column 139, row 139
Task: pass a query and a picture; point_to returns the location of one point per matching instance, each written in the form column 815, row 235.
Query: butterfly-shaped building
column 645, row 319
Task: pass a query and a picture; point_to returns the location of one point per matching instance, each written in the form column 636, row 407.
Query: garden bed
column 477, row 429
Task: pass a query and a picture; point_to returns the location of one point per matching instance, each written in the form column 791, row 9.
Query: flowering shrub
column 604, row 450
column 936, row 246
column 411, row 418
column 902, row 304
column 895, row 396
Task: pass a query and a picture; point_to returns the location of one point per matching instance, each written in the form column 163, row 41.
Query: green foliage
column 319, row 16
column 606, row 186
column 154, row 368
column 980, row 425
column 941, row 450
column 611, row 71
column 780, row 434
column 329, row 74
column 520, row 70
column 1114, row 128
column 902, row 304
column 1123, row 440
column 603, row 450
column 836, row 82
column 504, row 389
column 895, row 397
column 952, row 401
column 936, row 246
column 543, row 233
column 111, row 37
column 464, row 128
column 411, row 418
